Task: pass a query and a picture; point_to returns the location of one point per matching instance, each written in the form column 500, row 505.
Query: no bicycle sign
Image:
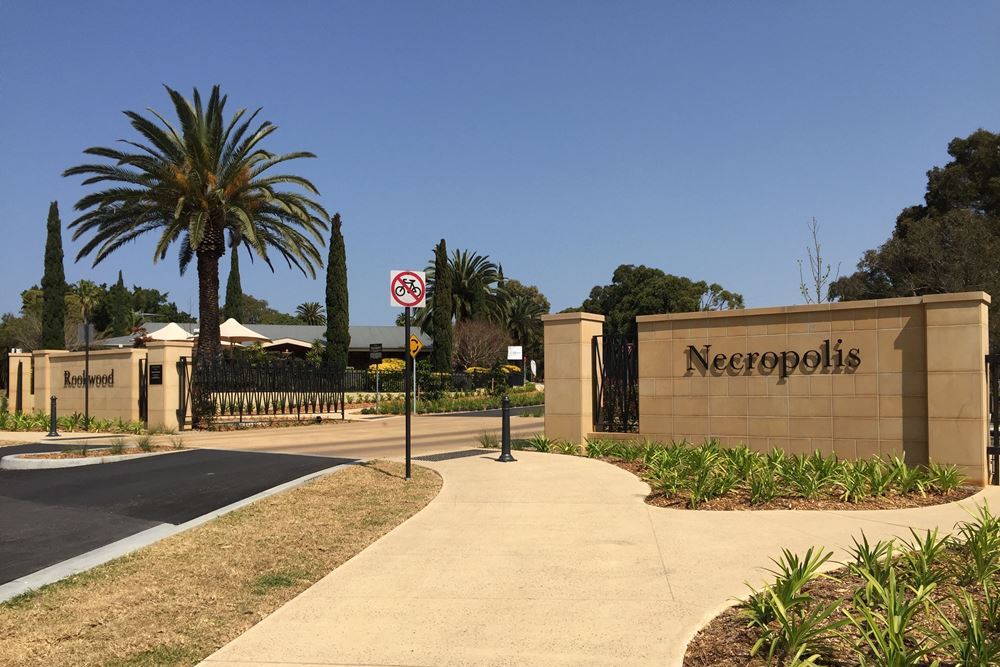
column 407, row 289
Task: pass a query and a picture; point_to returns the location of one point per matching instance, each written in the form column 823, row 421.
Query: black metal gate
column 615, row 367
column 144, row 391
column 993, row 427
column 184, row 391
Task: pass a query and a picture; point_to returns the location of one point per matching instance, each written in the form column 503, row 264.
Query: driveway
column 47, row 516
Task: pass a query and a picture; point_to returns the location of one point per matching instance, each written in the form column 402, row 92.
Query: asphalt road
column 47, row 516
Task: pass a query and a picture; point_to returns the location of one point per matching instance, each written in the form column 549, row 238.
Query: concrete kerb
column 23, row 462
column 127, row 545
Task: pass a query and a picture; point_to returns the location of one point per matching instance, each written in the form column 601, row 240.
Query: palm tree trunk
column 209, row 346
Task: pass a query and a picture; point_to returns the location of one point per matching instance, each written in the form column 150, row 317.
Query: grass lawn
column 177, row 601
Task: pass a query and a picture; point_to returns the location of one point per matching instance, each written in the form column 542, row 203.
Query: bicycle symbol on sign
column 411, row 283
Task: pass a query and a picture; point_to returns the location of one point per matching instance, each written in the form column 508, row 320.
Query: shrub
column 144, row 443
column 388, row 366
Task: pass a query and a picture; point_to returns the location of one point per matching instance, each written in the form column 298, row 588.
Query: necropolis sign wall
column 897, row 376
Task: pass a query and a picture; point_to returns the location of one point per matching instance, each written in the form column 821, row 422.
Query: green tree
column 234, row 290
column 523, row 317
column 441, row 294
column 89, row 295
column 121, row 308
column 310, row 312
column 156, row 306
column 642, row 290
column 474, row 283
column 338, row 332
column 192, row 184
column 257, row 311
column 945, row 244
column 53, row 285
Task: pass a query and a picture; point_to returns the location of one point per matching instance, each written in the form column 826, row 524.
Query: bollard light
column 53, row 433
column 505, row 456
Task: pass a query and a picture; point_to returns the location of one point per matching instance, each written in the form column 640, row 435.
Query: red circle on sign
column 408, row 291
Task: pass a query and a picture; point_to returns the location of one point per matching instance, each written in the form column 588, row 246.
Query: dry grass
column 177, row 601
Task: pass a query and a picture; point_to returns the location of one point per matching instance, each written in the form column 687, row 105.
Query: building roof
column 390, row 337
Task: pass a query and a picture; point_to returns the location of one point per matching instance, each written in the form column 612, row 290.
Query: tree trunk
column 209, row 347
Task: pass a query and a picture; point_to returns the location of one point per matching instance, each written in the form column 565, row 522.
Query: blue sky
column 560, row 138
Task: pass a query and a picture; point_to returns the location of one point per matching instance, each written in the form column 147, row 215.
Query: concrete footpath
column 552, row 560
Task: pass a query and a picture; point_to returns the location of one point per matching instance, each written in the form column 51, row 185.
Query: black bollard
column 505, row 456
column 53, row 433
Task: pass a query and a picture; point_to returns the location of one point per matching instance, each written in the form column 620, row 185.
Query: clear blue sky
column 561, row 138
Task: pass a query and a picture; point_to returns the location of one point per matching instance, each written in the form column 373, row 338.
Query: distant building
column 297, row 339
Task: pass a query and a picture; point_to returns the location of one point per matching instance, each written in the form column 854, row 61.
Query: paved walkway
column 552, row 560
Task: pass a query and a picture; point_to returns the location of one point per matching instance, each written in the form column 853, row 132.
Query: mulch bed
column 739, row 500
column 727, row 640
column 95, row 452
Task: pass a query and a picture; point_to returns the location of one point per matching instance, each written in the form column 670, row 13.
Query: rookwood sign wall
column 114, row 381
column 896, row 376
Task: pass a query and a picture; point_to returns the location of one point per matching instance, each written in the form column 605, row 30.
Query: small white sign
column 407, row 289
column 514, row 353
column 534, row 368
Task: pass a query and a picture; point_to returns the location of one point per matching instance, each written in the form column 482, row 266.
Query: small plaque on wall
column 156, row 374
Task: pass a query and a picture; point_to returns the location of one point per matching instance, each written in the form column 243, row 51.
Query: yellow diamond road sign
column 415, row 346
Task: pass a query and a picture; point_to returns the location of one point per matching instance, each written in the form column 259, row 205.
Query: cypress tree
column 54, row 285
column 441, row 307
column 338, row 333
column 234, row 290
column 121, row 307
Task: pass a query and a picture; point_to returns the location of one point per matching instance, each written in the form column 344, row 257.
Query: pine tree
column 234, row 290
column 54, row 285
column 441, row 310
column 338, row 334
column 121, row 307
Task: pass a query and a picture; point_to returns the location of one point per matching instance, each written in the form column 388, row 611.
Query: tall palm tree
column 191, row 184
column 524, row 319
column 310, row 312
column 475, row 288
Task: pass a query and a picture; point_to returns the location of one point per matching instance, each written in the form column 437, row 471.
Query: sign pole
column 86, row 375
column 409, row 360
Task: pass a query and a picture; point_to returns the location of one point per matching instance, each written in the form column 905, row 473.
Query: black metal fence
column 615, row 367
column 232, row 387
column 365, row 382
column 993, row 428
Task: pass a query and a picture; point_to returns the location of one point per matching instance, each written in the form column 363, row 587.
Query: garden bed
column 462, row 403
column 927, row 599
column 712, row 477
column 740, row 499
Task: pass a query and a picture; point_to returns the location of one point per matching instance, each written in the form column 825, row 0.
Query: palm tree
column 475, row 290
column 89, row 295
column 310, row 312
column 524, row 319
column 192, row 184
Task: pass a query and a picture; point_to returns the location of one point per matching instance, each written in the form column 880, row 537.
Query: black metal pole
column 86, row 375
column 505, row 455
column 407, row 387
column 53, row 433
column 19, row 401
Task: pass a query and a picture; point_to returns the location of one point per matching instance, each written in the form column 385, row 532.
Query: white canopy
column 233, row 332
column 172, row 331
